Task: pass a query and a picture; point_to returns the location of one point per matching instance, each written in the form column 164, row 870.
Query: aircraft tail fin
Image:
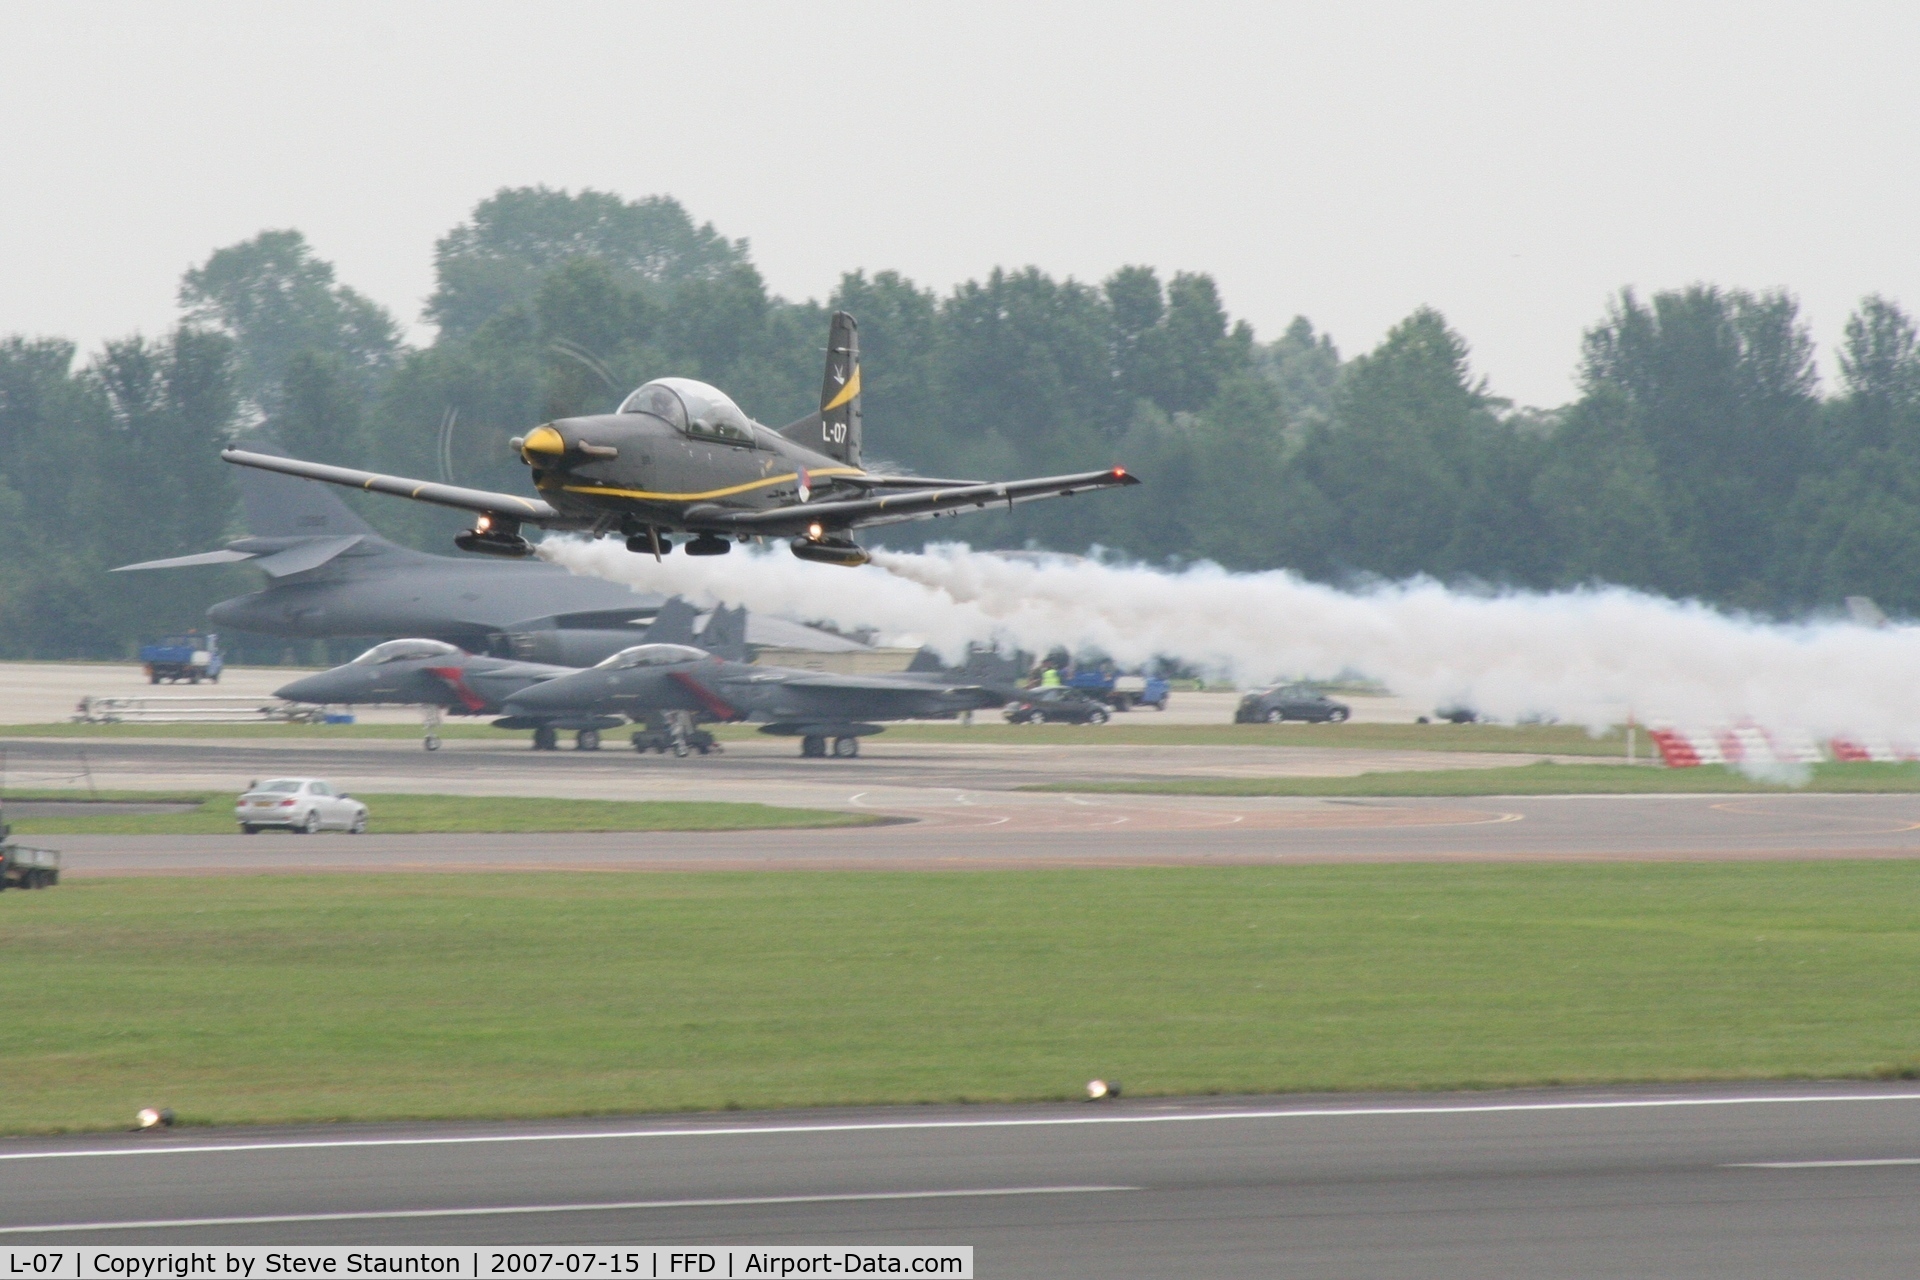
column 835, row 429
column 280, row 506
column 674, row 623
column 725, row 635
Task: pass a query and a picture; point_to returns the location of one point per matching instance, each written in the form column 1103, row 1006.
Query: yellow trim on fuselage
column 643, row 495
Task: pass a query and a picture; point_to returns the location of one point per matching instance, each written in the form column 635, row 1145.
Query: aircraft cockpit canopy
column 691, row 407
column 396, row 650
column 652, row 655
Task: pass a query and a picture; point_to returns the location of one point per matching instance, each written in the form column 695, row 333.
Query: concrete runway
column 978, row 831
column 960, row 809
column 1714, row 1181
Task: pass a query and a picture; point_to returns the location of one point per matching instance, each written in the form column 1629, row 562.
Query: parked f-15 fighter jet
column 679, row 456
column 817, row 707
column 442, row 678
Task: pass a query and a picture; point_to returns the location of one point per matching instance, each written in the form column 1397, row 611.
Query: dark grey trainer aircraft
column 647, row 680
column 679, row 456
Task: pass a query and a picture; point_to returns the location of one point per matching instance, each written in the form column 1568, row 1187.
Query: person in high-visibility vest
column 1050, row 678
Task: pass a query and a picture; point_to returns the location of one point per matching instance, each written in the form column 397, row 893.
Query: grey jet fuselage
column 425, row 673
column 649, row 679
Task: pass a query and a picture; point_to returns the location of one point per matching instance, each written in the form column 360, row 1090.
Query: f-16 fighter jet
column 820, row 709
column 679, row 456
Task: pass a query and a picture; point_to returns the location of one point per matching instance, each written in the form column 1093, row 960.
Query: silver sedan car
column 300, row 805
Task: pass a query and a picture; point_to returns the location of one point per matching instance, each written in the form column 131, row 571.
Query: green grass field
column 400, row 814
column 1543, row 779
column 1136, row 728
column 289, row 998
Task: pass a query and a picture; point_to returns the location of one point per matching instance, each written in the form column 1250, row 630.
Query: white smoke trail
column 1584, row 656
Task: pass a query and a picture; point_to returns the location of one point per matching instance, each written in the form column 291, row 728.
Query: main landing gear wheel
column 846, row 748
column 430, row 742
column 546, row 738
column 587, row 740
column 813, row 746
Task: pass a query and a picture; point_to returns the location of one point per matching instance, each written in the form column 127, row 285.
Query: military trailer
column 22, row 867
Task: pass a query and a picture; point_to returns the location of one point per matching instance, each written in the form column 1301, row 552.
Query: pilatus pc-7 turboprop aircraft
column 680, row 457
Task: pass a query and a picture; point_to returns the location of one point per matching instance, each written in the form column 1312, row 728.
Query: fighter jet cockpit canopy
column 652, row 655
column 395, row 650
column 692, row 407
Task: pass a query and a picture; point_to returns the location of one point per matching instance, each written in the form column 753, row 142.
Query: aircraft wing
column 853, row 513
column 512, row 506
column 223, row 556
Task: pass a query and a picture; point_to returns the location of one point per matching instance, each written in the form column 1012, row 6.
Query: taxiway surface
column 1697, row 1181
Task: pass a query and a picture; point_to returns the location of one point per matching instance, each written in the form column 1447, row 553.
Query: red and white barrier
column 1751, row 744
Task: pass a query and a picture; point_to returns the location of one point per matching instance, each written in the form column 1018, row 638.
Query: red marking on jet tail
column 708, row 698
column 457, row 678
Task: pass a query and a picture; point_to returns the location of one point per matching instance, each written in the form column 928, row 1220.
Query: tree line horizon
column 1701, row 457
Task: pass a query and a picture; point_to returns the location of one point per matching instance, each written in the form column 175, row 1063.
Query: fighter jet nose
column 309, row 689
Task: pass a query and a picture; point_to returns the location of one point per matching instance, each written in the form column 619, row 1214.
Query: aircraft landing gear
column 846, row 748
column 429, row 728
column 812, row 746
column 546, row 738
column 587, row 740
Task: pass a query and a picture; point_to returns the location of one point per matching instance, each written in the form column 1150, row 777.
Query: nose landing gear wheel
column 813, row 746
column 430, row 742
column 846, row 748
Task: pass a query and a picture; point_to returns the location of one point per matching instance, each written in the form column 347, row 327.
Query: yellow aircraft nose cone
column 544, row 440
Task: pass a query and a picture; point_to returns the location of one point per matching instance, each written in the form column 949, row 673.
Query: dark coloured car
column 1059, row 705
column 1290, row 702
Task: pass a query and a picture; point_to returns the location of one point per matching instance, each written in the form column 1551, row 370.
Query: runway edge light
column 1098, row 1089
column 148, row 1118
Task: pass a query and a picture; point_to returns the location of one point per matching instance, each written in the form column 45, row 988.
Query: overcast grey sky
column 1511, row 164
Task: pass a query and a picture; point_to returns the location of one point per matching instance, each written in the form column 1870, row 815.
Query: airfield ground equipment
column 191, row 658
column 24, row 867
column 1121, row 692
column 191, row 709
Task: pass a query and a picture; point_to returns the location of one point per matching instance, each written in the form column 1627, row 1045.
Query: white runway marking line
column 503, row 1210
column 1034, row 1122
column 1823, row 1164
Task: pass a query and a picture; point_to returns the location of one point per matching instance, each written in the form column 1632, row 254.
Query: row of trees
column 1700, row 458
